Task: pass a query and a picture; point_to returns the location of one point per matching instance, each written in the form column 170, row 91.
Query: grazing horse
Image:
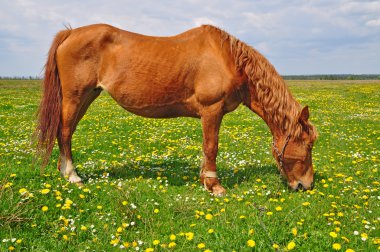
column 202, row 73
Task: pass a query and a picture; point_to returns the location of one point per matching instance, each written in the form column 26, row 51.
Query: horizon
column 298, row 38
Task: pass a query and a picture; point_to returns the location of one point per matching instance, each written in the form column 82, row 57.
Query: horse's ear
column 304, row 115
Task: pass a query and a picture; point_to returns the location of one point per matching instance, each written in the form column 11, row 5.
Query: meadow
column 142, row 191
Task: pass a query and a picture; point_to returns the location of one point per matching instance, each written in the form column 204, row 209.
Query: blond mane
column 278, row 104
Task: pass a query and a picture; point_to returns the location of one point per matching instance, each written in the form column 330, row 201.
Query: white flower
column 356, row 232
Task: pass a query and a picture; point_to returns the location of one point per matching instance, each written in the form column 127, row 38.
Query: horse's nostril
column 300, row 187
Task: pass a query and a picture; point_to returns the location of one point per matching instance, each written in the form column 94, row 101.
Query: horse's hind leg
column 73, row 109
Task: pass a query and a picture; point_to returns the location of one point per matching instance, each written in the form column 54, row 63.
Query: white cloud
column 360, row 7
column 375, row 22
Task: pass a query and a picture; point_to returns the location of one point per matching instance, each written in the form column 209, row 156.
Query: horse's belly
column 155, row 106
column 163, row 111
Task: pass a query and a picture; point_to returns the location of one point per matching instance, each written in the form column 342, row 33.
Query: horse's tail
column 49, row 112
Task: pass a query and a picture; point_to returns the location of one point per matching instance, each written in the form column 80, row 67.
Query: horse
column 203, row 73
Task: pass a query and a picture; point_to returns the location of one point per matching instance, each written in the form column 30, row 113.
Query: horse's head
column 293, row 155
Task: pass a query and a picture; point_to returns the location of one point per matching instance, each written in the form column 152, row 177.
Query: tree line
column 333, row 77
column 20, row 77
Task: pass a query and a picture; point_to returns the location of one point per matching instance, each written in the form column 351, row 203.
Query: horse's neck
column 273, row 102
column 268, row 95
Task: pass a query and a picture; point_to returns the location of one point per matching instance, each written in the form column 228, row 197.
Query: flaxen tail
column 49, row 113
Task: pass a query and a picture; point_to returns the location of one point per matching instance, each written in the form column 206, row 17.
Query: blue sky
column 297, row 36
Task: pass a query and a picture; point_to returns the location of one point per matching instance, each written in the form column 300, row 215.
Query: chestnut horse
column 202, row 73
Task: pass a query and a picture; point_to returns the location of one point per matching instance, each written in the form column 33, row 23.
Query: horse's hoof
column 218, row 191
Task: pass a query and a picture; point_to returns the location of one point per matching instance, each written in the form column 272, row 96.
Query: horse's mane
column 271, row 92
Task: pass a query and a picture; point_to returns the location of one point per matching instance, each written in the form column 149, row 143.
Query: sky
column 297, row 36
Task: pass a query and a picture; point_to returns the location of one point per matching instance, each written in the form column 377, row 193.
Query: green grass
column 141, row 179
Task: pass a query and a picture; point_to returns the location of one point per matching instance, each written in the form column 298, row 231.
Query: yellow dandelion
column 306, row 203
column 173, row 237
column 269, row 213
column 82, row 196
column 119, row 229
column 251, row 231
column 278, row 209
column 19, row 241
column 208, row 217
column 44, row 208
column 345, row 239
column 156, row 211
column 149, row 250
column 114, row 242
column 201, row 245
column 156, row 242
column 124, row 203
column 189, row 236
column 275, row 246
column 22, row 191
column 294, row 231
column 45, row 191
column 350, row 250
column 65, row 237
column 9, row 184
column 210, row 231
column 336, row 246
column 333, row 234
column 126, row 244
column 291, row 245
column 207, row 250
column 172, row 244
column 83, row 228
column 242, row 217
column 99, row 207
column 11, row 248
column 251, row 243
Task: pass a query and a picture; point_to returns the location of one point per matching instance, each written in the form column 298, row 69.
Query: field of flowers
column 142, row 192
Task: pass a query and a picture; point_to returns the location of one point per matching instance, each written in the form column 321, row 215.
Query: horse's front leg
column 211, row 120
